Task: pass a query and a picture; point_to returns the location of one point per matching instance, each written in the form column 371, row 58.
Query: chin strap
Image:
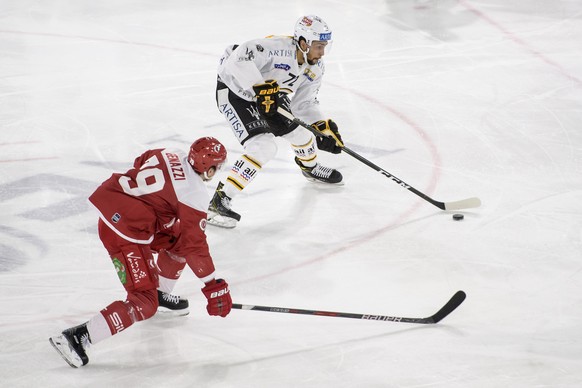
column 303, row 52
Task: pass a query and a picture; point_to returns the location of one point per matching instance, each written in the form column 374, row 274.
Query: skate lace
column 321, row 171
column 225, row 201
column 85, row 342
column 175, row 299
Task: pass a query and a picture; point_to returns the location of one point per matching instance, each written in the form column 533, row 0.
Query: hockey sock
column 117, row 317
column 167, row 285
column 171, row 267
column 306, row 153
column 98, row 329
column 242, row 173
column 304, row 146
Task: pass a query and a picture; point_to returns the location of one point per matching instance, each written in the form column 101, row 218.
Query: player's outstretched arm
column 218, row 295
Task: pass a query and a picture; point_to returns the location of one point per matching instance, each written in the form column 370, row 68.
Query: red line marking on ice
column 362, row 240
column 27, row 159
column 436, row 159
column 519, row 41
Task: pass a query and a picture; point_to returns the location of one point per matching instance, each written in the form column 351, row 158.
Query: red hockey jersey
column 160, row 189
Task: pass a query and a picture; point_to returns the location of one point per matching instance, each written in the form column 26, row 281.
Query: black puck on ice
column 458, row 217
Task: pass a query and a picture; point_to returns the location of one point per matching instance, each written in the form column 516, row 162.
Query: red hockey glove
column 330, row 139
column 218, row 295
column 267, row 97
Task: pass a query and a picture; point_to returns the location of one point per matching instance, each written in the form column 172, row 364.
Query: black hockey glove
column 267, row 97
column 330, row 139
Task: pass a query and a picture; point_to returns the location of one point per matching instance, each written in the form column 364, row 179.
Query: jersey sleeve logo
column 247, row 57
column 282, row 66
column 309, row 74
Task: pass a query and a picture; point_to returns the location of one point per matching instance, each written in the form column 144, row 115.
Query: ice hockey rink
column 458, row 98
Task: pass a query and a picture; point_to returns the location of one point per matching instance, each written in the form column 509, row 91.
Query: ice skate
column 71, row 345
column 319, row 173
column 172, row 305
column 219, row 212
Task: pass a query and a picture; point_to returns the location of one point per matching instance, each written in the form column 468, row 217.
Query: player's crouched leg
column 170, row 268
column 72, row 344
column 138, row 273
column 139, row 306
column 142, row 304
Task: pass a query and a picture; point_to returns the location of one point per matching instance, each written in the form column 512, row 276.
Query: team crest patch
column 203, row 224
column 116, row 217
column 120, row 269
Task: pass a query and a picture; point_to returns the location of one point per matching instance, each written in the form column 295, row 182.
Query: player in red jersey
column 160, row 204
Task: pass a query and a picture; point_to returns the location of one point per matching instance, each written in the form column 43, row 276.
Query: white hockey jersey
column 275, row 58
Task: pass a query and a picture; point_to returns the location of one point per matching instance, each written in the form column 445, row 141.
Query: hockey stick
column 454, row 205
column 448, row 308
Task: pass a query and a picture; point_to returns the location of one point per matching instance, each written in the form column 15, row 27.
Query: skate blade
column 166, row 312
column 61, row 345
column 221, row 221
column 324, row 184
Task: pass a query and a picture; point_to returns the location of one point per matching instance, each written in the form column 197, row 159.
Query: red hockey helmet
column 205, row 153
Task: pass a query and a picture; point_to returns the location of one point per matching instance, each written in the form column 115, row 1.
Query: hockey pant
column 138, row 274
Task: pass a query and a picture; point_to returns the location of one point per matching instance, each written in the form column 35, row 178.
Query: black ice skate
column 219, row 212
column 172, row 305
column 71, row 345
column 319, row 173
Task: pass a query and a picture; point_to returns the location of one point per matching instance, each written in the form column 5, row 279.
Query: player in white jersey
column 254, row 79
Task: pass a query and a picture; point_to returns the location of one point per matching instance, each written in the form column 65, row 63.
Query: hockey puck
column 458, row 217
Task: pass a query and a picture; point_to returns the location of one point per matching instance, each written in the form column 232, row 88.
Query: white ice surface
column 457, row 98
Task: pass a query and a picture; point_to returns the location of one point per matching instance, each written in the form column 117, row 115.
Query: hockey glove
column 330, row 139
column 218, row 295
column 267, row 97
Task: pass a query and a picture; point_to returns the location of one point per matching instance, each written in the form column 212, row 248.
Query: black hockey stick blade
column 454, row 205
column 448, row 308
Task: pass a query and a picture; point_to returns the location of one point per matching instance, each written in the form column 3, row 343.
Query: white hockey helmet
column 311, row 28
